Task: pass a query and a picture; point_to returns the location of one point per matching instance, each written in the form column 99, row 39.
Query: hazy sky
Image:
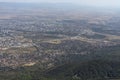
column 105, row 3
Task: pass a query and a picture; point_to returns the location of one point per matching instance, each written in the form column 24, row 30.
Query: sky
column 101, row 3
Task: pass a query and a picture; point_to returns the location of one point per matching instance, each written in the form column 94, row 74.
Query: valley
column 58, row 44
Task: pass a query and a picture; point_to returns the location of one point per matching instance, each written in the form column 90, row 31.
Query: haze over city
column 97, row 3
